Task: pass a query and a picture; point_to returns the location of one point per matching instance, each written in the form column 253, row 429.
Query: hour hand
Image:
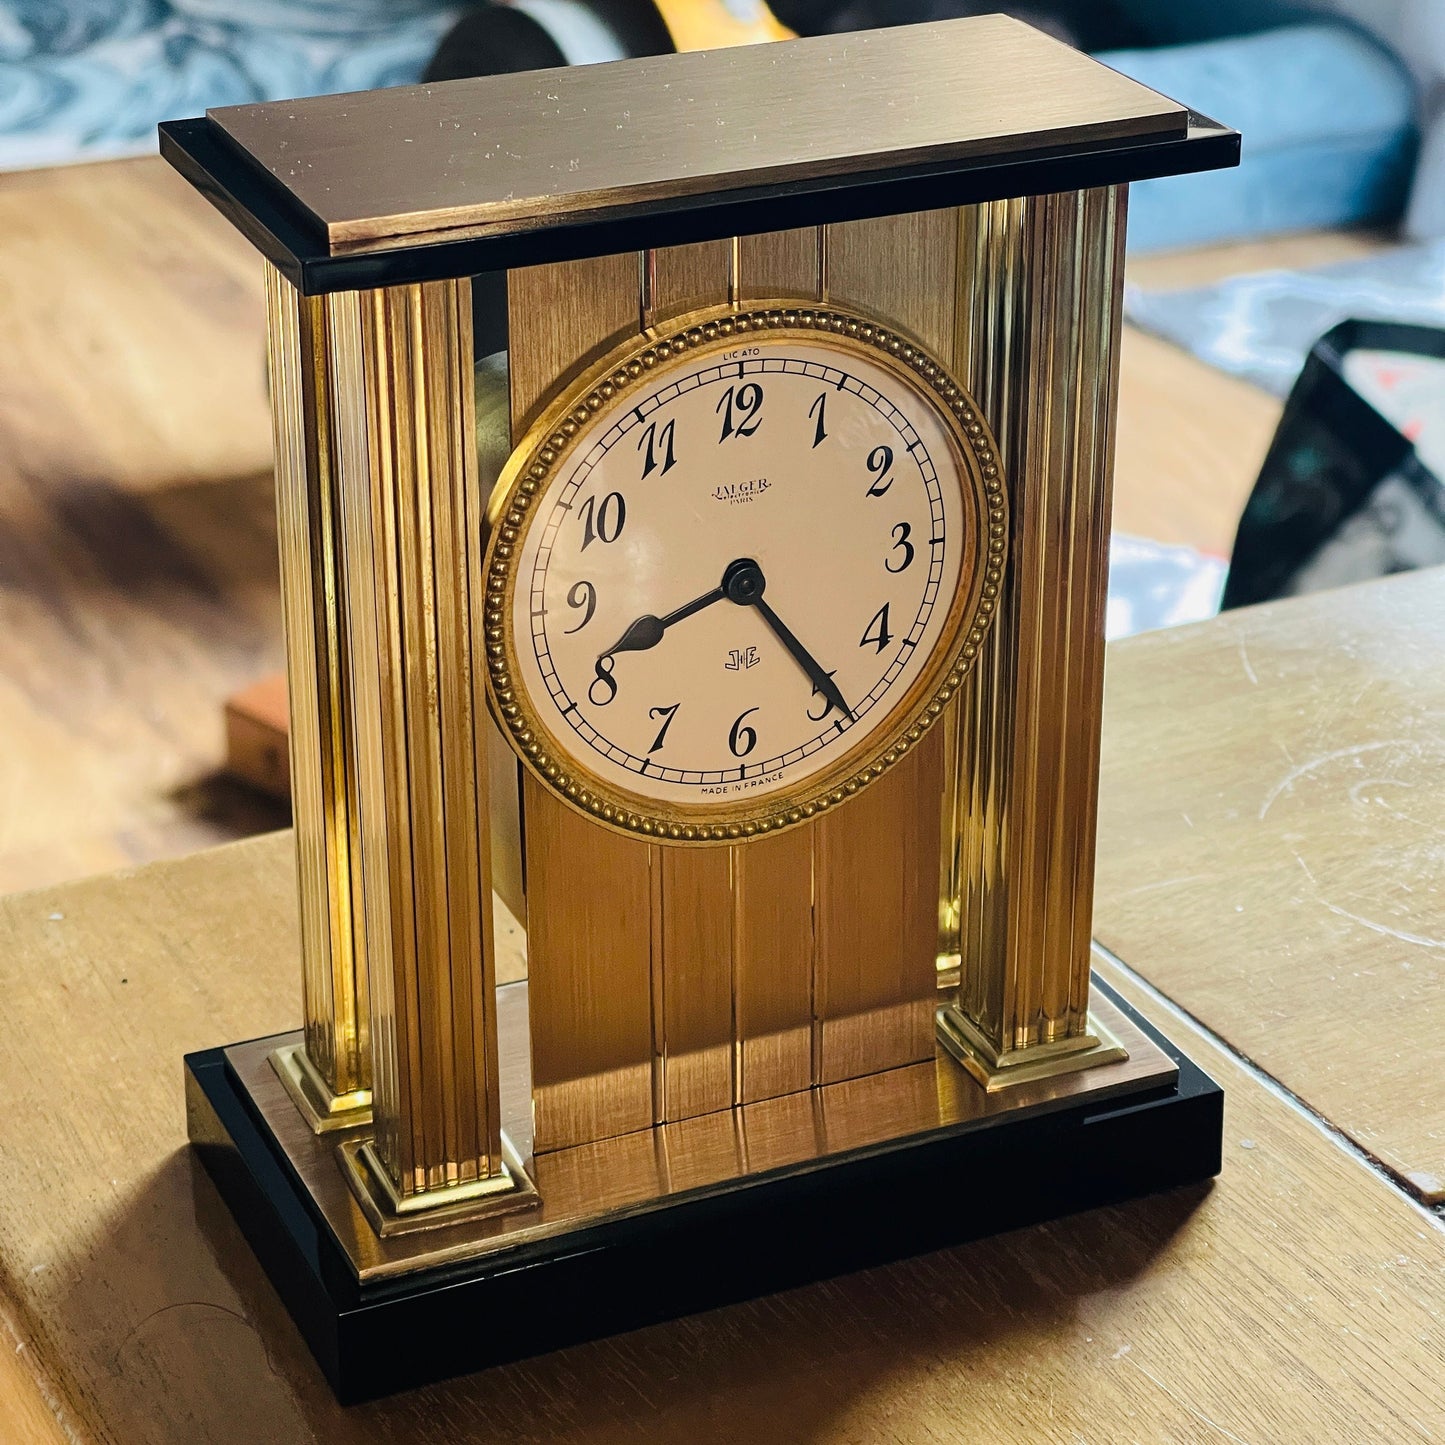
column 644, row 633
column 647, row 631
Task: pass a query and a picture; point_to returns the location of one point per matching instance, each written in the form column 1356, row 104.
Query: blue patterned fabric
column 1261, row 326
column 83, row 79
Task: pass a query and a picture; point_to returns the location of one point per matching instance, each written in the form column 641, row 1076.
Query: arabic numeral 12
column 739, row 410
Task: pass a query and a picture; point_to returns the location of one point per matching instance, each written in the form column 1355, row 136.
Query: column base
column 967, row 1044
column 322, row 1110
column 390, row 1212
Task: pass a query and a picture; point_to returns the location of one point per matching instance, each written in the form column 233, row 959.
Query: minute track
column 643, row 633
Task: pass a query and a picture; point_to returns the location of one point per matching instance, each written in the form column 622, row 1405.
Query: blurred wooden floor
column 137, row 541
column 137, row 559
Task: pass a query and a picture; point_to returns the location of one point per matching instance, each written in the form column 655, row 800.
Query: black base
column 757, row 1238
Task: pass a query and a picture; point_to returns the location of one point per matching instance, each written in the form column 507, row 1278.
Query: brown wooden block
column 256, row 731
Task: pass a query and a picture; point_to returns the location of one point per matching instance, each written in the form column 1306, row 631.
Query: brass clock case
column 543, row 456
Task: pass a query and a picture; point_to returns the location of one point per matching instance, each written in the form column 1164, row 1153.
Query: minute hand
column 803, row 658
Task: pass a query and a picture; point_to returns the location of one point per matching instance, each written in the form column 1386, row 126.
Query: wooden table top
column 1300, row 1298
column 1272, row 852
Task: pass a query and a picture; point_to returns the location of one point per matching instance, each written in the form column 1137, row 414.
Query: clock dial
column 743, row 572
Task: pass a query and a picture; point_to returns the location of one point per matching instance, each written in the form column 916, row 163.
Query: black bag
column 1343, row 495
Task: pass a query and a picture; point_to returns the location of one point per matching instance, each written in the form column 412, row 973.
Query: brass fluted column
column 329, row 1076
column 411, row 545
column 1039, row 315
column 382, row 512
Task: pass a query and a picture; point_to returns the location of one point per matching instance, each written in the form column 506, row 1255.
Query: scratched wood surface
column 137, row 522
column 1272, row 855
column 1302, row 1298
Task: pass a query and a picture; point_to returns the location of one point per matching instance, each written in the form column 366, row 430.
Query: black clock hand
column 647, row 630
column 820, row 679
column 744, row 583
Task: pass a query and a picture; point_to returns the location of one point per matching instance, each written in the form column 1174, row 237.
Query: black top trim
column 291, row 238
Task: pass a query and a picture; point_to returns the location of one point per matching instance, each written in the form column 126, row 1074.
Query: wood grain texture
column 1271, row 851
column 27, row 1400
column 1302, row 1298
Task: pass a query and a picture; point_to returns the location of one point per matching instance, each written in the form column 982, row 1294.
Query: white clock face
column 740, row 569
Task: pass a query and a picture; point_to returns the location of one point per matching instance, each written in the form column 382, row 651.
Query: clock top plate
column 511, row 153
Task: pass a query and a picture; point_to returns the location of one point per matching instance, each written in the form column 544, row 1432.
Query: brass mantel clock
column 693, row 483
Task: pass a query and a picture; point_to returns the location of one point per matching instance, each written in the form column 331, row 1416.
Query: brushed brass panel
column 773, row 964
column 560, row 317
column 423, row 162
column 900, row 269
column 676, row 279
column 782, row 263
column 1039, row 317
column 742, row 1005
column 313, row 421
column 590, row 975
column 589, row 898
column 905, row 267
column 874, row 996
column 696, row 1152
column 693, row 890
column 877, row 921
column 693, row 966
column 647, row 1170
column 773, row 952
